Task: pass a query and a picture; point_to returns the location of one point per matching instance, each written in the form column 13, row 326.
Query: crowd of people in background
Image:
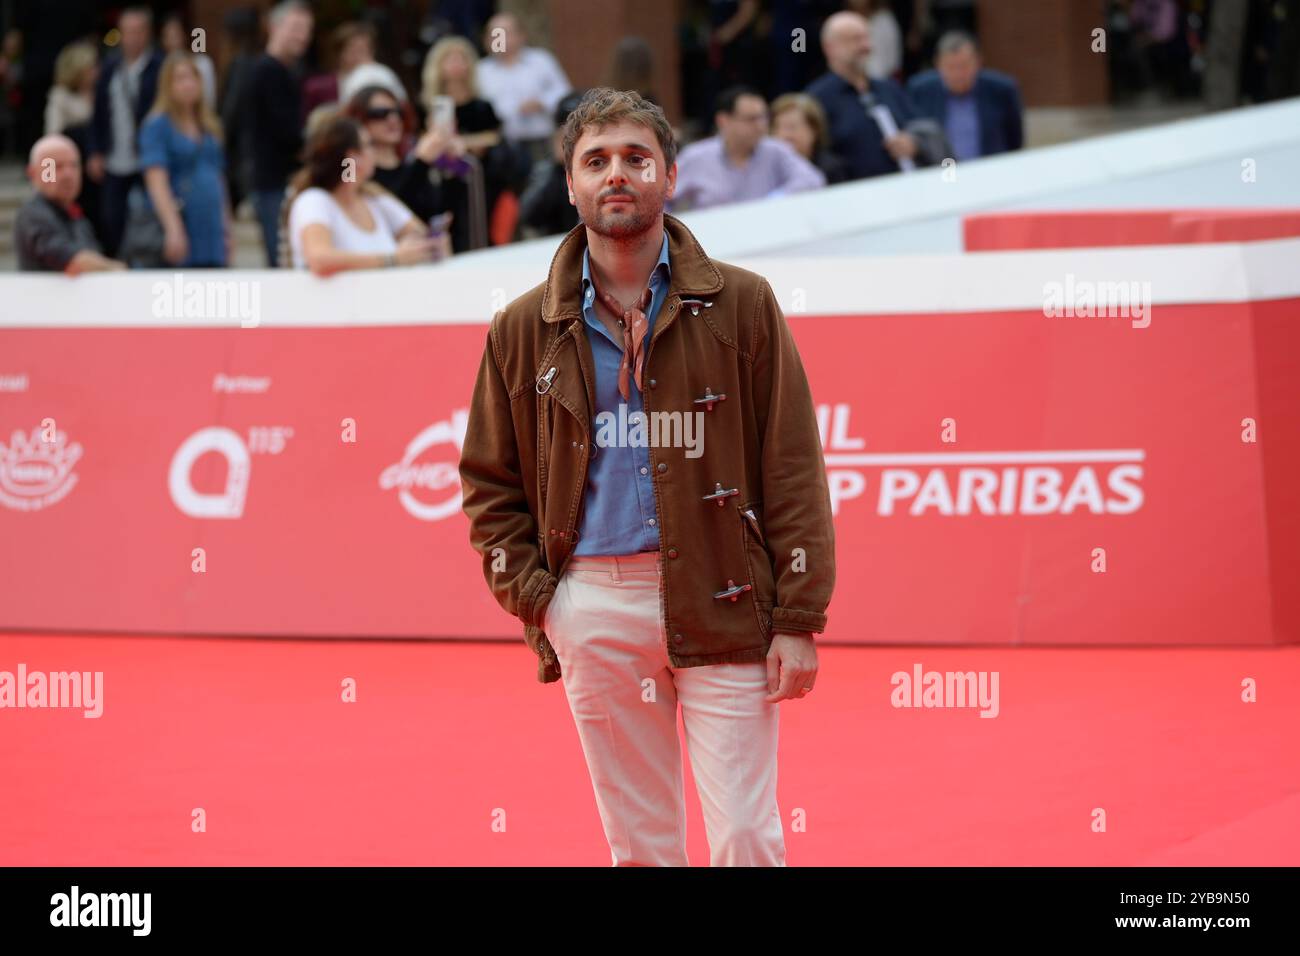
column 346, row 168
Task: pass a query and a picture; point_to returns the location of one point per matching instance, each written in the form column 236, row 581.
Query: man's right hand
column 901, row 145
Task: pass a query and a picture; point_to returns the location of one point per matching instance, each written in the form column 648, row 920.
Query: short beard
column 622, row 226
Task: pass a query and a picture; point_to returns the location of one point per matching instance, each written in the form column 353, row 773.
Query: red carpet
column 445, row 739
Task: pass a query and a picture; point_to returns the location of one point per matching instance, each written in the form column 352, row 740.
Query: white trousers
column 605, row 626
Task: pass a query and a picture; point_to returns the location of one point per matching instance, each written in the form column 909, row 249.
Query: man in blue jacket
column 124, row 92
column 979, row 109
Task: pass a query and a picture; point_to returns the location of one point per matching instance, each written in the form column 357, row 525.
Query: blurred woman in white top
column 339, row 219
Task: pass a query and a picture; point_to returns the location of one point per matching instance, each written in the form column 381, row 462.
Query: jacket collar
column 690, row 270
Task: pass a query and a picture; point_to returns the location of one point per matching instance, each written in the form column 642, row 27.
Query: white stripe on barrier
column 433, row 295
column 988, row 457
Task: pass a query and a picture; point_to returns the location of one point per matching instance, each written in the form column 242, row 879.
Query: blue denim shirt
column 618, row 514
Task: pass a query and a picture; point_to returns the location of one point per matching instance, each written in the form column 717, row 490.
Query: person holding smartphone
column 450, row 71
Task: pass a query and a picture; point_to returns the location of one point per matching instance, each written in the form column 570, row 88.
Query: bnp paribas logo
column 36, row 470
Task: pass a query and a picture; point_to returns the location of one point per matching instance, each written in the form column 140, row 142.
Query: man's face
column 848, row 47
column 958, row 69
column 294, row 32
column 135, row 34
column 56, row 174
column 618, row 180
column 745, row 125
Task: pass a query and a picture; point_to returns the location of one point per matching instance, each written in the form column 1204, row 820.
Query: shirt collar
column 662, row 267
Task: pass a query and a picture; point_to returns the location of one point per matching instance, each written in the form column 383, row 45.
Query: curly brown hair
column 601, row 106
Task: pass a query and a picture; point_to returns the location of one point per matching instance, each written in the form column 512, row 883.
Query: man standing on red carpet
column 645, row 485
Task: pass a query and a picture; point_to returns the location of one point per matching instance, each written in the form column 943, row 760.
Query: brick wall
column 1047, row 46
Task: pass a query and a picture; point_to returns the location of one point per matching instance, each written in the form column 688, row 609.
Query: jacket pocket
column 752, row 513
column 759, row 562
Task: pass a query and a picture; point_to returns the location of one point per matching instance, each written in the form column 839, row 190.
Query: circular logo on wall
column 427, row 478
column 229, row 501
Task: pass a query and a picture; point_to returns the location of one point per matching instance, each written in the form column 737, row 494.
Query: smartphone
column 443, row 114
column 438, row 224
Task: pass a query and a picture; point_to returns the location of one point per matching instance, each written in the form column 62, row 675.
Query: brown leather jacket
column 746, row 539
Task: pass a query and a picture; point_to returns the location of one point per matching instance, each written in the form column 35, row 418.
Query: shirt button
column 672, row 552
column 677, row 638
column 650, row 521
column 662, row 467
column 652, row 383
column 644, row 470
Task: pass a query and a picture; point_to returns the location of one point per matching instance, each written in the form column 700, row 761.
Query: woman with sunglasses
column 405, row 176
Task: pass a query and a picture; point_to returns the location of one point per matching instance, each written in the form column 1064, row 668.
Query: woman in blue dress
column 184, row 168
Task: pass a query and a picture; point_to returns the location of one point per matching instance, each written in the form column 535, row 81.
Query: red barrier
column 282, row 480
column 1071, row 229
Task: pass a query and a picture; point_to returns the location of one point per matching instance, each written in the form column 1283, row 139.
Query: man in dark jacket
column 646, row 491
column 866, row 116
column 124, row 93
column 979, row 109
column 236, row 100
column 275, row 115
column 51, row 234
